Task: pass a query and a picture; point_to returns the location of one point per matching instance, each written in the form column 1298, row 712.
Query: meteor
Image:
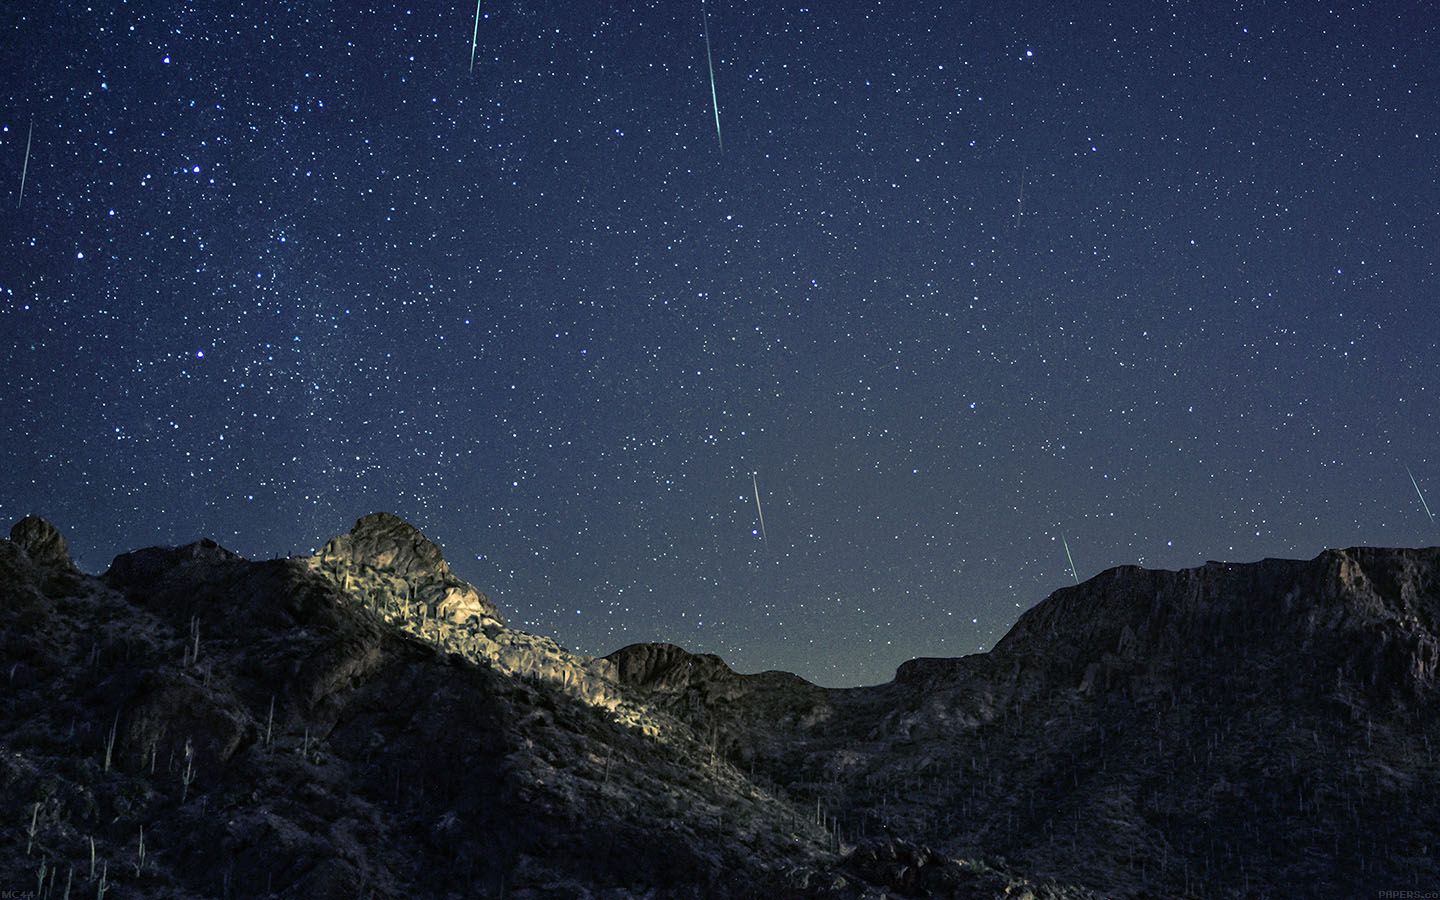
column 1073, row 574
column 714, row 102
column 475, row 37
column 25, row 168
column 1420, row 495
column 758, row 511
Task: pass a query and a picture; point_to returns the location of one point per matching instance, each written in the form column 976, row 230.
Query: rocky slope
column 1231, row 730
column 362, row 723
column 389, row 567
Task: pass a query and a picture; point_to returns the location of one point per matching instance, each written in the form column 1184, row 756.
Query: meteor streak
column 25, row 168
column 1073, row 574
column 475, row 37
column 1420, row 495
column 714, row 102
column 758, row 511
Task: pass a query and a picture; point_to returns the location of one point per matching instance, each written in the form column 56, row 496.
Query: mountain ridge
column 1225, row 730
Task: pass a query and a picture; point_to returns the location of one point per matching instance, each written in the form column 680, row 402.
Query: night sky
column 965, row 278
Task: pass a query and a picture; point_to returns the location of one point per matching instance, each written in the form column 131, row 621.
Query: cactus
column 110, row 741
column 188, row 776
column 192, row 653
column 34, row 819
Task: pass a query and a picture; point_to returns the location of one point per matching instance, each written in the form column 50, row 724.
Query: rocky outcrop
column 387, row 566
column 666, row 667
column 386, row 541
column 384, row 553
column 42, row 542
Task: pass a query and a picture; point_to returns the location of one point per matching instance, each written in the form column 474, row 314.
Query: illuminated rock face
column 385, row 554
column 387, row 565
column 386, row 541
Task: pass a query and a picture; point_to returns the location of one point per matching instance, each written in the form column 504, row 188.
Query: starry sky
column 966, row 283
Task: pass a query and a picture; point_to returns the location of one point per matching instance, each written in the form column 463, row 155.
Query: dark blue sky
column 1159, row 278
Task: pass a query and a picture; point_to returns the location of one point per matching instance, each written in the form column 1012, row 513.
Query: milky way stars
column 966, row 278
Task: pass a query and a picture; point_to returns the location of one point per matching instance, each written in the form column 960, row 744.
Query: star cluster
column 967, row 282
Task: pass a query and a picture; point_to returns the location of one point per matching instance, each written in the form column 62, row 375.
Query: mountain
column 362, row 723
column 1231, row 730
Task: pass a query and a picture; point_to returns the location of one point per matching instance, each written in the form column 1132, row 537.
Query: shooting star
column 754, row 482
column 714, row 102
column 25, row 168
column 475, row 37
column 1073, row 574
column 1420, row 495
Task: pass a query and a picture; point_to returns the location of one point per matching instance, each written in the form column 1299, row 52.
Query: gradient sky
column 967, row 277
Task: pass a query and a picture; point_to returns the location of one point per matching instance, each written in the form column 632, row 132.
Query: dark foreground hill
column 362, row 724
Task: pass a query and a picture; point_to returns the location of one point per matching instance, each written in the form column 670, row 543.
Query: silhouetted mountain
column 361, row 723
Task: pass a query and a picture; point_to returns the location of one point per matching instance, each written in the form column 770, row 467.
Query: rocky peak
column 386, row 541
column 384, row 554
column 666, row 667
column 42, row 542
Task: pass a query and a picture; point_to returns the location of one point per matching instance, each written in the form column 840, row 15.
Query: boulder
column 43, row 543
